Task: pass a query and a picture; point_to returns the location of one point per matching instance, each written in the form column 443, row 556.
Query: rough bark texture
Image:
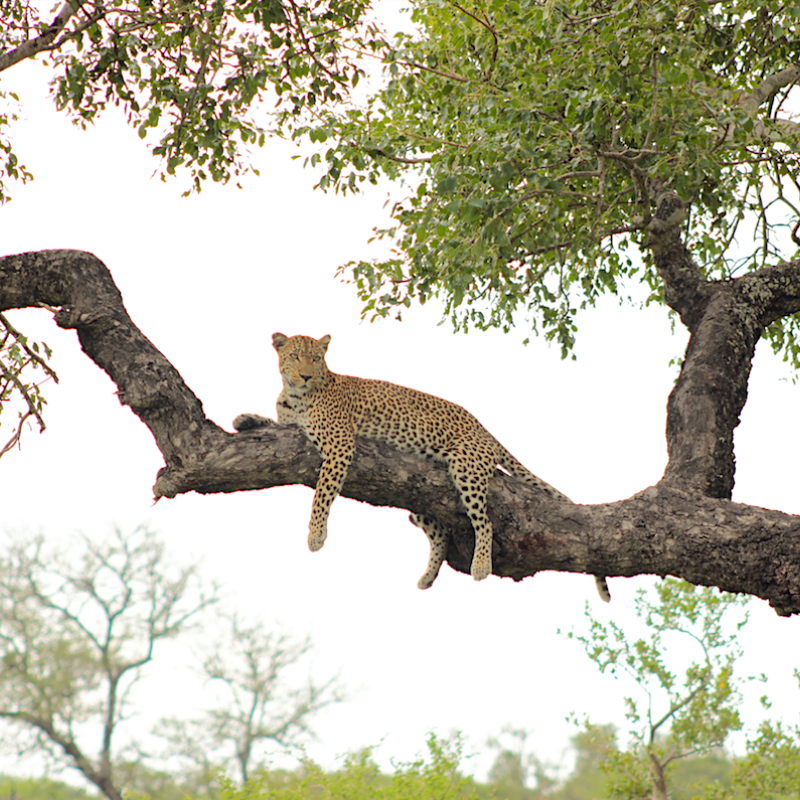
column 686, row 525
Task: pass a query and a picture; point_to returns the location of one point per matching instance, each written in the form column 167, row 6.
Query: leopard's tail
column 602, row 588
column 521, row 473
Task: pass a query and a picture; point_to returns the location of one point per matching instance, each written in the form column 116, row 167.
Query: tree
column 514, row 770
column 75, row 632
column 677, row 712
column 685, row 706
column 587, row 781
column 543, row 142
column 255, row 706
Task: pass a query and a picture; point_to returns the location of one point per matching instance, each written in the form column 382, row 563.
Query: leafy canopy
column 533, row 138
column 191, row 73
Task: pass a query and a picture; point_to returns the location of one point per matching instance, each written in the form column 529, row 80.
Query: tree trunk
column 101, row 777
column 685, row 525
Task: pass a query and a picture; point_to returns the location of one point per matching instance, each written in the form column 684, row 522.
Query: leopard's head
column 301, row 361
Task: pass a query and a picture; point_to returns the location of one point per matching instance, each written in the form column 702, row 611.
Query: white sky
column 208, row 279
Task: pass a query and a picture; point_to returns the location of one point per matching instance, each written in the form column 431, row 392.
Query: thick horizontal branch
column 673, row 528
column 663, row 530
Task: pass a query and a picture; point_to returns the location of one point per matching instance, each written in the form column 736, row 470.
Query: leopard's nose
column 306, row 378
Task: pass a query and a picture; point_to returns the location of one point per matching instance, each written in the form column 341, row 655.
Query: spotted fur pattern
column 333, row 409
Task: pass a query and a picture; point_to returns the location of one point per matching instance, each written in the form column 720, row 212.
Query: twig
column 22, row 389
column 16, row 436
column 384, row 154
column 31, row 353
column 416, row 65
column 639, row 179
column 488, row 28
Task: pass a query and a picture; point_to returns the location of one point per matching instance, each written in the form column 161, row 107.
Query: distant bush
column 40, row 789
column 435, row 776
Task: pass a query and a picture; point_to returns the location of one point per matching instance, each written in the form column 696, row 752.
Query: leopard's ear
column 279, row 340
column 324, row 341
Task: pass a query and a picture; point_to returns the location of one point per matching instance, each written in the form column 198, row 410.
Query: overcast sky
column 208, row 279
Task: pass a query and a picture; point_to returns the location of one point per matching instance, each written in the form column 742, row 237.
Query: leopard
column 334, row 409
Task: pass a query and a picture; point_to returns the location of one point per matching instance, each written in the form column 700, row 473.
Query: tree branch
column 683, row 526
column 31, row 47
column 750, row 103
column 684, row 283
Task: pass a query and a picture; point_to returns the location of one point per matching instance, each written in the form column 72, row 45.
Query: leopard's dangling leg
column 337, row 453
column 437, row 536
column 470, row 470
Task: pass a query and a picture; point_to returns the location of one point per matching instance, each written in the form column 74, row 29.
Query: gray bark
column 685, row 526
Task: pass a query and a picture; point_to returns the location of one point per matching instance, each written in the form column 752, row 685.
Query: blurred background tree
column 256, row 704
column 77, row 627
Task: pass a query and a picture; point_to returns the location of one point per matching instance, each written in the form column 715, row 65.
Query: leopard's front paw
column 316, row 538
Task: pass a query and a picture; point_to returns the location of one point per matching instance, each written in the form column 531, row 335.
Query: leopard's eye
column 317, row 358
column 294, row 356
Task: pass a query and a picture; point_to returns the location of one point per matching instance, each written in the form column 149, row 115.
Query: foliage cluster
column 192, row 73
column 38, row 789
column 535, row 136
column 768, row 772
column 436, row 775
